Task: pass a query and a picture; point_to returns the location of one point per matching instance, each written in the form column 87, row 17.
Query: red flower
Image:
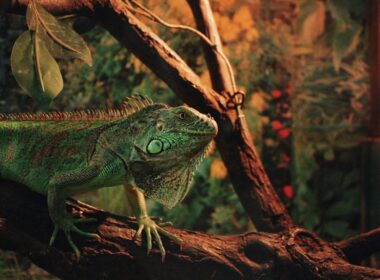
column 284, row 133
column 288, row 191
column 276, row 125
column 276, row 93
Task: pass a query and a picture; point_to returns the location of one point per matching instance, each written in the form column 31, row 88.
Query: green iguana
column 150, row 148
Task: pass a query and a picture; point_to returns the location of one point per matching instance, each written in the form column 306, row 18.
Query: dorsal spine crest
column 128, row 106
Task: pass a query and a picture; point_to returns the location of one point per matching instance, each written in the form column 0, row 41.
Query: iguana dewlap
column 147, row 147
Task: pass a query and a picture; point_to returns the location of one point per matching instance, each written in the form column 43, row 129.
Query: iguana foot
column 149, row 226
column 67, row 226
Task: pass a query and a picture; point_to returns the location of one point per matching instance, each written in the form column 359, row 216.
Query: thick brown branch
column 236, row 147
column 361, row 246
column 53, row 6
column 26, row 227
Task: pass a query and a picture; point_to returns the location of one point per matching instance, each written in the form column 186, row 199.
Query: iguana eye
column 155, row 146
column 182, row 116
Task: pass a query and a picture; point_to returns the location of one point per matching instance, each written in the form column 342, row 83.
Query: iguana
column 151, row 148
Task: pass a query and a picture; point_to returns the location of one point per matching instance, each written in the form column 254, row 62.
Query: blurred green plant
column 329, row 113
column 328, row 125
column 335, row 22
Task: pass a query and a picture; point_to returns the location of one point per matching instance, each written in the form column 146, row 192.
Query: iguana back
column 33, row 151
column 35, row 146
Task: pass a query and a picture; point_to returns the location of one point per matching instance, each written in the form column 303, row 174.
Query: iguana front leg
column 137, row 200
column 60, row 187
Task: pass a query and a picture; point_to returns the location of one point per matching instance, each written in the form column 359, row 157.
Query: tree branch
column 25, row 227
column 361, row 246
column 56, row 7
column 246, row 170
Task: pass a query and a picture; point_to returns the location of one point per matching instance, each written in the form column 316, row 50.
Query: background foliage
column 303, row 66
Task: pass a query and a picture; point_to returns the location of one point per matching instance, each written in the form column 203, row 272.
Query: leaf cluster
column 33, row 58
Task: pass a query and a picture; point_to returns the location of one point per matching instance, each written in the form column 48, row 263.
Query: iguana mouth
column 209, row 128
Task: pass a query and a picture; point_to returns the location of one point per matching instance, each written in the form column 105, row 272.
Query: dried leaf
column 314, row 25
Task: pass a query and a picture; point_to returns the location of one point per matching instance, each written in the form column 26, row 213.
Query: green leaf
column 22, row 63
column 47, row 68
column 339, row 10
column 346, row 31
column 63, row 36
column 346, row 37
column 31, row 18
column 42, row 82
column 56, row 50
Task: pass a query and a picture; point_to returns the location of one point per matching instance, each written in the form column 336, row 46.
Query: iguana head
column 167, row 151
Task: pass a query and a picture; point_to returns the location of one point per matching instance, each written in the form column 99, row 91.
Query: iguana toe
column 84, row 233
column 160, row 245
column 53, row 235
column 67, row 226
column 173, row 237
column 72, row 244
column 150, row 227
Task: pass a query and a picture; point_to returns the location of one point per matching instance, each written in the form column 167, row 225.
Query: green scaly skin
column 150, row 148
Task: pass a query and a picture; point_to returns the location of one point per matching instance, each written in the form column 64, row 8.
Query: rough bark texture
column 25, row 227
column 234, row 141
column 288, row 253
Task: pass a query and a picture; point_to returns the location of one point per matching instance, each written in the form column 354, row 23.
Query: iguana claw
column 149, row 226
column 67, row 226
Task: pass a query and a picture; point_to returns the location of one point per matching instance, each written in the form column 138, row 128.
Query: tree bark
column 25, row 227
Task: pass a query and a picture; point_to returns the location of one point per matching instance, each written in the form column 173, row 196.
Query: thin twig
column 152, row 16
column 361, row 246
column 156, row 18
